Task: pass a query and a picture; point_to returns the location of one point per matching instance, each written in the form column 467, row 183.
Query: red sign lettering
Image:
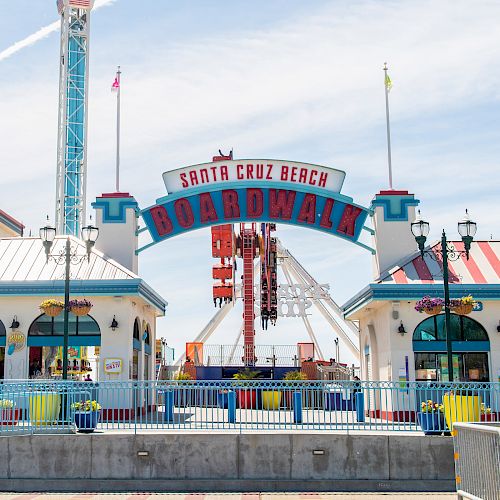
column 230, row 204
column 255, row 202
column 322, row 179
column 281, row 203
column 207, row 209
column 184, row 213
column 161, row 220
column 307, row 212
column 348, row 221
column 325, row 216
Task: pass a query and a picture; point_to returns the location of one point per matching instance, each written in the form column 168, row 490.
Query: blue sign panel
column 192, row 209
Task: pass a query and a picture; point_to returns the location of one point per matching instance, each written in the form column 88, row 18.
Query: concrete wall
column 227, row 462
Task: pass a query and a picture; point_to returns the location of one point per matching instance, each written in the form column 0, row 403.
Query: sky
column 281, row 79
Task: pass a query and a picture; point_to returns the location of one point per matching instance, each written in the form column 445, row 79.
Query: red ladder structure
column 248, row 240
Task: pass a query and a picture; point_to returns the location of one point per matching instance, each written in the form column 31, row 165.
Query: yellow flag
column 388, row 82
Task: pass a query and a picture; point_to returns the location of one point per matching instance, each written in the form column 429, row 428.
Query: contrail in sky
column 41, row 34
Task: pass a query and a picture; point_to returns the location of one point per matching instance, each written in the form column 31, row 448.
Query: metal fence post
column 297, row 407
column 169, row 406
column 360, row 406
column 231, row 406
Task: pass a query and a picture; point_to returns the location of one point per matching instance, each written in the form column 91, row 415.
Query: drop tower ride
column 72, row 119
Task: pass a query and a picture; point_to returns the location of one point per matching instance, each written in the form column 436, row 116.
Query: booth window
column 3, row 333
column 135, row 352
column 467, row 335
column 137, row 329
column 147, row 340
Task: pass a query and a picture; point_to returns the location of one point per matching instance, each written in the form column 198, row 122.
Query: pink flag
column 116, row 85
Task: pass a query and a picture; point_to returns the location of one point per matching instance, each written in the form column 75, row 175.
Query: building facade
column 397, row 343
column 116, row 340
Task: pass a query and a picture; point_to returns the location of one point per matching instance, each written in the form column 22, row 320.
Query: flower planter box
column 433, row 310
column 9, row 416
column 80, row 310
column 463, row 309
column 461, row 409
column 488, row 417
column 86, row 421
column 247, row 398
column 271, row 400
column 52, row 311
column 334, row 401
column 223, row 399
column 44, row 408
column 432, row 424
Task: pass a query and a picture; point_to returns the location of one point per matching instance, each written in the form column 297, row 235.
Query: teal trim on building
column 110, row 288
column 457, row 346
column 147, row 348
column 2, row 341
column 114, row 209
column 58, row 340
column 398, row 291
column 395, row 206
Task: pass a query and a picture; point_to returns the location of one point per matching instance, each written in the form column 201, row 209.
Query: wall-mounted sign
column 113, row 365
column 223, row 172
column 478, row 306
column 16, row 339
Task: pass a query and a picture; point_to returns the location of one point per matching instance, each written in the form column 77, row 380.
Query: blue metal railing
column 38, row 406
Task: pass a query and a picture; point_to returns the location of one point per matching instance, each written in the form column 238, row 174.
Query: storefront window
column 425, row 366
column 467, row 367
column 466, row 335
column 3, row 333
column 135, row 364
column 45, row 361
column 2, row 362
column 137, row 329
column 146, row 366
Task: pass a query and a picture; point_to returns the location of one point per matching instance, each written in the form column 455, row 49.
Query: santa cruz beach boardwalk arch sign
column 229, row 191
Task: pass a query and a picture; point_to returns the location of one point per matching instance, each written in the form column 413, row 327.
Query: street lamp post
column 467, row 229
column 67, row 256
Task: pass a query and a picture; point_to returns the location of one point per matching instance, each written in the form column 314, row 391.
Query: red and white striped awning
column 483, row 266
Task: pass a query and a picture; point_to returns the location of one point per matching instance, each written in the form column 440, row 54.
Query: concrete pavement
column 228, row 496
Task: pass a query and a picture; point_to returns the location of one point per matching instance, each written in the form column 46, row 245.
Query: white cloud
column 42, row 33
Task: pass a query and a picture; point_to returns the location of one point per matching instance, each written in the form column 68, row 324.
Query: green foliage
column 51, row 303
column 295, row 375
column 247, row 374
column 86, row 405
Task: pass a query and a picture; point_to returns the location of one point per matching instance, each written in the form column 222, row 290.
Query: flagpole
column 389, row 159
column 118, row 73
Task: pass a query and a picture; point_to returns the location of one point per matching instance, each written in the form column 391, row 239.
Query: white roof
column 23, row 259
